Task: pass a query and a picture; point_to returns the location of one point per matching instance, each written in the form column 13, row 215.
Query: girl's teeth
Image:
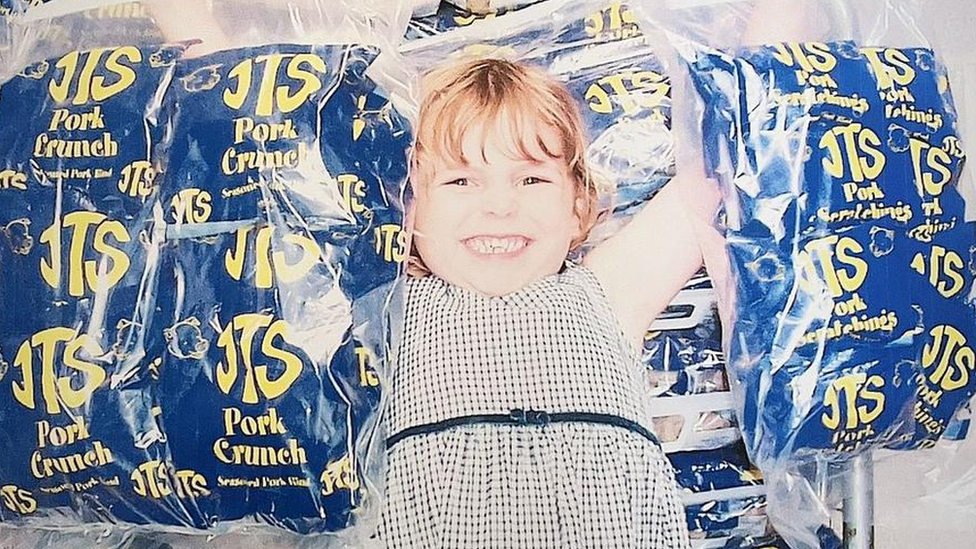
column 490, row 246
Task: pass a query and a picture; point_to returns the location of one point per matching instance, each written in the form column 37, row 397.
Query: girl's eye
column 532, row 180
column 459, row 182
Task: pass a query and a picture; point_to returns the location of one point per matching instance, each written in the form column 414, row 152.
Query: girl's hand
column 189, row 21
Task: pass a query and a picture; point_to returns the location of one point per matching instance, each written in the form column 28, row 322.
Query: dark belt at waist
column 523, row 417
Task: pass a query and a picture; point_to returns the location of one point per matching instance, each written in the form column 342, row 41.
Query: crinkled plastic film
column 694, row 417
column 848, row 236
column 103, row 24
column 202, row 234
column 46, row 29
column 489, row 6
column 83, row 243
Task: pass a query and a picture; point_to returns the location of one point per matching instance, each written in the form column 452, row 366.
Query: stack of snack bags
column 724, row 495
column 848, row 243
column 201, row 252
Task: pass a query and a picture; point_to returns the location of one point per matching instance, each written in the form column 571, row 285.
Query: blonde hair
column 479, row 92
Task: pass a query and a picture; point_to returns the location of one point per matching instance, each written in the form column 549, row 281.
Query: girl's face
column 499, row 221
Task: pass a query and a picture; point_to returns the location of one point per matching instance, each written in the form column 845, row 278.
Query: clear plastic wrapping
column 846, row 266
column 203, row 229
column 82, row 241
column 205, row 249
column 283, row 227
column 50, row 28
column 694, row 417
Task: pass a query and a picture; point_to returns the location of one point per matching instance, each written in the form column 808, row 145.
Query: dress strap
column 524, row 417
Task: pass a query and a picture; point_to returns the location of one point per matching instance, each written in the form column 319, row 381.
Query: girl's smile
column 497, row 246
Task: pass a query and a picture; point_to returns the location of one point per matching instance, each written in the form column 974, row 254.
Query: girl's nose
column 499, row 200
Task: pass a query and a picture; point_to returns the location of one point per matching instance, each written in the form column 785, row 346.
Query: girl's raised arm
column 644, row 265
column 648, row 261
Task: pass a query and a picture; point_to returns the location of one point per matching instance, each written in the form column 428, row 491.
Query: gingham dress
column 457, row 479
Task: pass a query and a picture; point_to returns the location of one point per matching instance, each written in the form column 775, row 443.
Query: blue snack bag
column 826, row 539
column 694, row 418
column 832, row 297
column 78, row 261
column 447, row 17
column 723, row 493
column 694, row 409
column 37, row 37
column 683, row 347
column 841, row 186
column 615, row 21
column 284, row 174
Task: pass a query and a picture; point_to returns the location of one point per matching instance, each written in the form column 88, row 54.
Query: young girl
column 518, row 408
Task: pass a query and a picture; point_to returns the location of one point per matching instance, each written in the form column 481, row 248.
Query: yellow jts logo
column 952, row 361
column 367, row 375
column 852, row 401
column 156, row 480
column 18, row 500
column 339, row 475
column 834, row 260
column 271, row 265
column 809, row 56
column 11, row 179
column 852, row 151
column 191, row 206
column 58, row 346
column 95, row 75
column 353, row 191
column 137, row 179
column 890, row 67
column 945, row 270
column 630, row 91
column 932, row 167
column 391, row 242
column 240, row 340
column 274, row 91
column 615, row 22
column 100, row 275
